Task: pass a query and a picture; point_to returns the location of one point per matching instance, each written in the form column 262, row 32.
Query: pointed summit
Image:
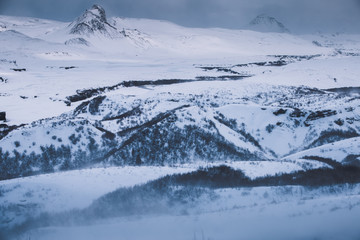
column 92, row 21
column 264, row 23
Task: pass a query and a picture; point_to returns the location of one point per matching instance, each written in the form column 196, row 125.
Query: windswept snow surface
column 258, row 213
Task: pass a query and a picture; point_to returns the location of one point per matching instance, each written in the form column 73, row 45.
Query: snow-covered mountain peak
column 92, row 21
column 98, row 11
column 265, row 23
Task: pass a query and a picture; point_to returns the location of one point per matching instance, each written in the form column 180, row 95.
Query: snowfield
column 117, row 128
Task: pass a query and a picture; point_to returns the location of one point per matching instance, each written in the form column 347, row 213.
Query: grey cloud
column 299, row 16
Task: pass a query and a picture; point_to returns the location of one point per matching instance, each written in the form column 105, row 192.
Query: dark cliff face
column 93, row 20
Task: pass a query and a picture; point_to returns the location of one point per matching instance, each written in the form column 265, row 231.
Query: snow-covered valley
column 103, row 106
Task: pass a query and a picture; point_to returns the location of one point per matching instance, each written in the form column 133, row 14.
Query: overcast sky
column 297, row 15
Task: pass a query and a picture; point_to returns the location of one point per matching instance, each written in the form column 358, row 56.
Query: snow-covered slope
column 92, row 89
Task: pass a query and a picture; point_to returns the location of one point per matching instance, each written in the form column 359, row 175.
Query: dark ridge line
column 344, row 90
column 156, row 119
column 274, row 63
column 328, row 161
column 277, row 63
column 296, row 57
column 219, row 69
column 7, row 129
column 88, row 93
column 153, row 121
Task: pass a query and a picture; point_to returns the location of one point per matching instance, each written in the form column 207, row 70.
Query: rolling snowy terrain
column 108, row 124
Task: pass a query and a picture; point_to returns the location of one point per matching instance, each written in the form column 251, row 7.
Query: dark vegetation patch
column 329, row 161
column 225, row 177
column 8, row 61
column 333, row 135
column 353, row 160
column 159, row 141
column 232, row 124
column 6, row 129
column 269, row 128
column 156, row 142
column 22, row 165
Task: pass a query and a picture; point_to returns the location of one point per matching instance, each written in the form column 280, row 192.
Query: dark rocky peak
column 93, row 20
column 265, row 23
column 98, row 12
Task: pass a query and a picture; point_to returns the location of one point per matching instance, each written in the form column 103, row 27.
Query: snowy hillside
column 105, row 104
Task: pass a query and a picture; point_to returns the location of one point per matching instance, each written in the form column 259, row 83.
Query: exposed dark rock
column 93, row 20
column 316, row 43
column 67, row 68
column 19, row 69
column 280, row 124
column 4, row 80
column 320, row 114
column 94, row 105
column 77, row 41
column 297, row 113
column 280, row 112
column 339, row 122
column 2, row 116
